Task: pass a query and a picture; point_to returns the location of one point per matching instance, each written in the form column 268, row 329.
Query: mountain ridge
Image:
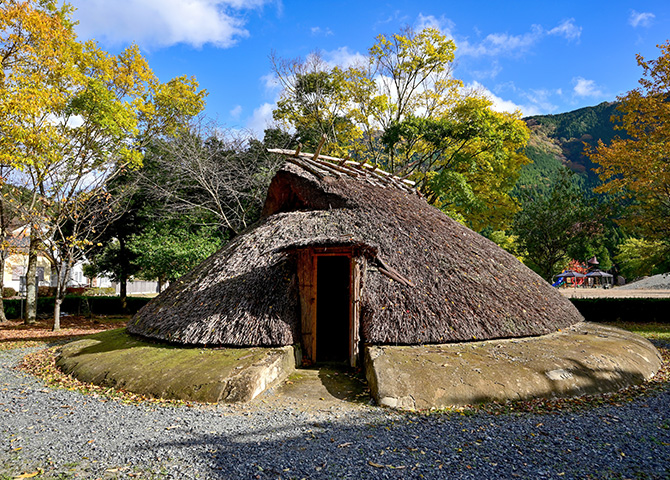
column 559, row 139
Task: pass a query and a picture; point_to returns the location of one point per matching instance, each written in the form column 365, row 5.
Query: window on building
column 40, row 274
column 17, row 272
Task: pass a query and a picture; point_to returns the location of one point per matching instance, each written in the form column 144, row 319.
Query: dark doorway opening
column 332, row 308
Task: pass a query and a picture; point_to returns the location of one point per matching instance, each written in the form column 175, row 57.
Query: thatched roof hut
column 346, row 255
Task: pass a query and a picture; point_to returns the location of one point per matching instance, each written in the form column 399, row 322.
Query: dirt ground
column 571, row 292
column 71, row 326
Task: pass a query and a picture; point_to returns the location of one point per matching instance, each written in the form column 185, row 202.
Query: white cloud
column 496, row 44
column 161, row 23
column 567, row 29
column 491, row 72
column 271, row 83
column 501, row 43
column 638, row 19
column 236, row 112
column 502, row 105
column 318, row 31
column 586, row 88
column 344, row 58
column 261, row 119
column 442, row 24
column 540, row 99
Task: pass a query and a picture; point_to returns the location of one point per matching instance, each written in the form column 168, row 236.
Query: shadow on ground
column 321, row 386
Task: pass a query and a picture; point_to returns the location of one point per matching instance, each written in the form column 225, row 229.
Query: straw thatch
column 450, row 285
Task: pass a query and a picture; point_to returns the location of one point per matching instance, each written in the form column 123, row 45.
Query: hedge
column 74, row 304
column 594, row 309
column 635, row 310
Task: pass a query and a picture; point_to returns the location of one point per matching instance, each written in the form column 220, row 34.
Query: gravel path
column 66, row 433
column 655, row 282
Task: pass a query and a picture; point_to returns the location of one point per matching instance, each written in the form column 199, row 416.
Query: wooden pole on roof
column 297, row 150
column 318, row 149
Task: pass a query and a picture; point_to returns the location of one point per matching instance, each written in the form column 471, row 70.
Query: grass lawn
column 651, row 331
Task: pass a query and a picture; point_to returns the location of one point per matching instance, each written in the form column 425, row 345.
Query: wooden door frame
column 307, row 281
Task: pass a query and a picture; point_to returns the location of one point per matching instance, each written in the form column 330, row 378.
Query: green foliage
column 466, row 161
column 168, row 250
column 73, row 116
column 315, row 103
column 506, row 241
column 557, row 143
column 637, row 257
column 278, row 138
column 549, row 226
column 541, row 172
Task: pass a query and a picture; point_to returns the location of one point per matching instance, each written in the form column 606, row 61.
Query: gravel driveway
column 65, row 433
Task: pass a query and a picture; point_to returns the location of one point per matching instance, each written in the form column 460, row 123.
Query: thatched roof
column 460, row 286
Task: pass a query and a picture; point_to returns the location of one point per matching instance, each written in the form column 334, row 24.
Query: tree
column 35, row 57
column 638, row 257
column 87, row 116
column 548, row 226
column 7, row 215
column 466, row 161
column 637, row 168
column 315, row 102
column 413, row 71
column 403, row 110
column 167, row 250
column 216, row 177
column 111, row 256
column 404, row 73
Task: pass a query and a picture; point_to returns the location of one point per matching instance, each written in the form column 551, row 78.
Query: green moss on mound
column 117, row 359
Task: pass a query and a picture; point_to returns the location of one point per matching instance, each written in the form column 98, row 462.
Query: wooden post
column 307, row 290
column 355, row 311
column 318, row 149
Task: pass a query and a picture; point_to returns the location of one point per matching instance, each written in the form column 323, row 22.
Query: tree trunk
column 31, row 285
column 61, row 289
column 3, row 257
column 57, row 303
column 123, row 293
column 3, row 318
column 123, row 277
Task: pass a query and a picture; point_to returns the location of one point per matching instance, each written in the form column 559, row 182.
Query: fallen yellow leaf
column 28, row 475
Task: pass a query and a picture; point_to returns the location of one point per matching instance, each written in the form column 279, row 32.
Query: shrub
column 75, row 290
column 46, row 291
column 634, row 310
column 100, row 291
column 12, row 308
column 78, row 305
column 8, row 292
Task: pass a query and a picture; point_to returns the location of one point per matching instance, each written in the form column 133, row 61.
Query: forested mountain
column 559, row 140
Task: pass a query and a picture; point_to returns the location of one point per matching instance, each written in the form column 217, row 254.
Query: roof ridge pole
column 318, row 149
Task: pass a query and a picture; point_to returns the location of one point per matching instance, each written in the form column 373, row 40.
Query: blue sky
column 536, row 56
